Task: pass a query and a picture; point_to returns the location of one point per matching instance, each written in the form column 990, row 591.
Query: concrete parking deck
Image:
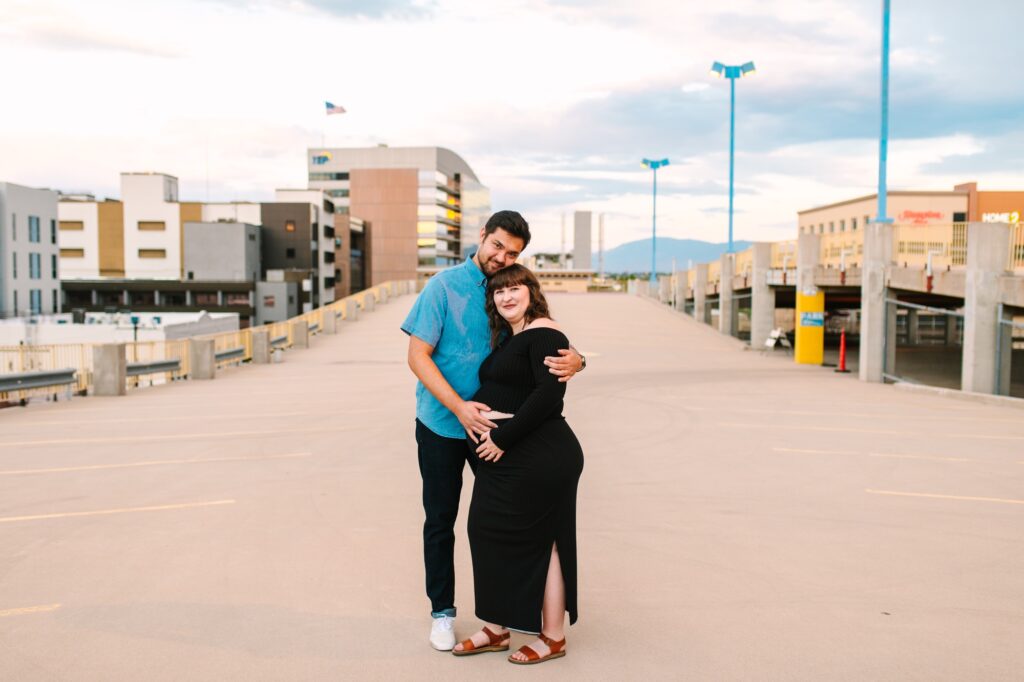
column 740, row 518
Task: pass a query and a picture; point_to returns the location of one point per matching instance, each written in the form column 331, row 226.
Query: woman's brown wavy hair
column 511, row 276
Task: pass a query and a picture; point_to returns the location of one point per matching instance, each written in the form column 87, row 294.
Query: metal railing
column 1016, row 261
column 946, row 245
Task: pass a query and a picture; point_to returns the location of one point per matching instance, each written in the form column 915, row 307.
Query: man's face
column 498, row 250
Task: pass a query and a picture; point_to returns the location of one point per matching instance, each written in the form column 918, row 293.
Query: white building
column 29, row 262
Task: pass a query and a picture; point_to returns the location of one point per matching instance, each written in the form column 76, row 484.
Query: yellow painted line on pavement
column 45, row 608
column 944, row 497
column 847, row 429
column 125, row 510
column 150, row 463
column 932, row 457
column 176, row 436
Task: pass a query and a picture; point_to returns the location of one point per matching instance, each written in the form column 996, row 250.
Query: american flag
column 334, row 109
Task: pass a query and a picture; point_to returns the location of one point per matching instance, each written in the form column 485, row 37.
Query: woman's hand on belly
column 487, row 450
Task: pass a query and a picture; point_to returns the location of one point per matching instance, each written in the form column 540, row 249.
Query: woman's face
column 512, row 301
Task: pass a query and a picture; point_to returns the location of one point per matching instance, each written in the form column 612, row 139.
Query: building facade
column 29, row 252
column 225, row 252
column 965, row 203
column 423, row 206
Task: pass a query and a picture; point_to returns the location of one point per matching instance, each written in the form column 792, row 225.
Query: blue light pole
column 654, row 166
column 732, row 73
column 883, row 138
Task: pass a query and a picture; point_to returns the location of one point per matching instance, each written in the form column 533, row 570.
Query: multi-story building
column 222, row 252
column 424, row 205
column 965, row 203
column 29, row 262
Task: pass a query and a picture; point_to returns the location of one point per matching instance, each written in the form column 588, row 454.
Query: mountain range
column 636, row 256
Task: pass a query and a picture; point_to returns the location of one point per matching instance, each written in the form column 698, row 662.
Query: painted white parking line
column 45, row 608
column 176, row 436
column 103, row 512
column 931, row 457
column 150, row 463
column 850, row 429
column 805, row 451
column 944, row 497
column 219, row 416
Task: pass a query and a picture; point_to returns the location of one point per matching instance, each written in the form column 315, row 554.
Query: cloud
column 70, row 37
column 349, row 9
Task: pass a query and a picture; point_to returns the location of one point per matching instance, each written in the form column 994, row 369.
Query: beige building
column 423, row 206
column 965, row 203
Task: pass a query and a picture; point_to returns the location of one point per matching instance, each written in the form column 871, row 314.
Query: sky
column 552, row 102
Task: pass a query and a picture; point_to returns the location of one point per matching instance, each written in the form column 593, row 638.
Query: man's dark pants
column 442, row 461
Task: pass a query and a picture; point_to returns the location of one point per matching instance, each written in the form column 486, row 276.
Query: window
column 268, row 301
column 831, row 226
column 15, row 303
column 35, row 301
column 853, row 224
column 53, row 265
column 71, row 225
column 842, row 226
column 14, row 265
column 53, row 231
column 291, row 299
column 252, row 236
column 959, row 217
column 289, row 253
column 14, row 229
column 72, row 253
column 191, row 275
column 54, row 301
column 867, row 219
column 152, row 253
column 152, row 225
column 289, row 226
column 33, row 229
column 328, row 176
column 35, row 270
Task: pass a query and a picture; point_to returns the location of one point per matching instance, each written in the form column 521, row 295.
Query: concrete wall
column 276, row 301
column 223, row 252
column 17, row 205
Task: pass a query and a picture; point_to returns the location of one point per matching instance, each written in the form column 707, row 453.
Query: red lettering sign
column 918, row 217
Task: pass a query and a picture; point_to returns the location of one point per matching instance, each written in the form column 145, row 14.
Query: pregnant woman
column 522, row 519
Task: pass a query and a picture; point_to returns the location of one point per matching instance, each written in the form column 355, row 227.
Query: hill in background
column 636, row 256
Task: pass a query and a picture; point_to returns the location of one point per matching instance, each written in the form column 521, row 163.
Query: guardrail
column 18, row 386
column 139, row 369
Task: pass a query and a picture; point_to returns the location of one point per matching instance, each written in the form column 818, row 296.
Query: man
column 449, row 338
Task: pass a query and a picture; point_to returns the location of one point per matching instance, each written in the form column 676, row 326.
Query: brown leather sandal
column 557, row 651
column 494, row 643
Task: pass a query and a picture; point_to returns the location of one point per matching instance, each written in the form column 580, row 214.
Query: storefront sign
column 1012, row 217
column 919, row 217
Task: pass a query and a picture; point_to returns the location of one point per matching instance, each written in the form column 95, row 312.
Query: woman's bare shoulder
column 544, row 322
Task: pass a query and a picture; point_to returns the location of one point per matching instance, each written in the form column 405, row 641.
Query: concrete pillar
column 700, row 292
column 300, row 334
column 109, row 369
column 679, row 295
column 94, row 297
column 351, row 310
column 369, row 302
column 952, row 334
column 202, row 359
column 988, row 249
column 762, row 296
column 329, row 323
column 385, row 293
column 877, row 353
column 913, row 327
column 664, row 288
column 725, row 299
column 261, row 347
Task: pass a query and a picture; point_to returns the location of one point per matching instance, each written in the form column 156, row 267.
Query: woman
column 522, row 519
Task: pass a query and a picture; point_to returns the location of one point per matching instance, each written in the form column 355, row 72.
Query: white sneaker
column 442, row 633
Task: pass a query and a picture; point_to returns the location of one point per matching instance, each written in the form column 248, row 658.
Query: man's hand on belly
column 468, row 414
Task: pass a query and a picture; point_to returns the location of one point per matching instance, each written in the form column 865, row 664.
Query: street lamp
column 883, row 138
column 654, row 166
column 732, row 73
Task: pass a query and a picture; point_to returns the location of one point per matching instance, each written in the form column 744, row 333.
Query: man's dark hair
column 511, row 222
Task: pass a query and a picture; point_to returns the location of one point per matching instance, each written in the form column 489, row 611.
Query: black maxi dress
column 524, row 503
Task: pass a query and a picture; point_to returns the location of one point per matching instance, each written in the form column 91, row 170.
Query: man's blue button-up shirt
column 449, row 315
